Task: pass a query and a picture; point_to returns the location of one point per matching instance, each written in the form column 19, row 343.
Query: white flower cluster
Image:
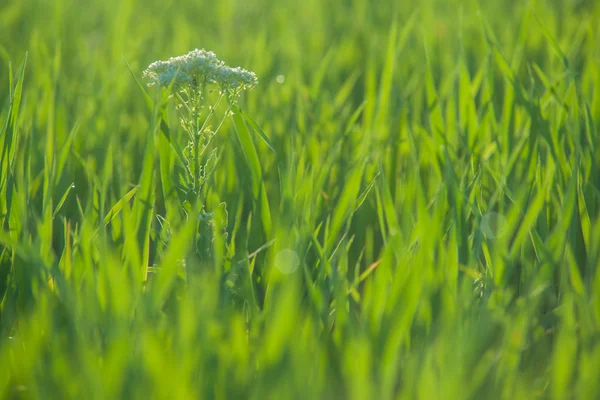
column 199, row 66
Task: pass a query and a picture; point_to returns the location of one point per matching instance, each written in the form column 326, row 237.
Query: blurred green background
column 422, row 221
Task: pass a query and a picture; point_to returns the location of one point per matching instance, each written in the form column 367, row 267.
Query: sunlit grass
column 407, row 205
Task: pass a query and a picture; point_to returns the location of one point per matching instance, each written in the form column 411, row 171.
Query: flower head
column 198, row 67
column 236, row 78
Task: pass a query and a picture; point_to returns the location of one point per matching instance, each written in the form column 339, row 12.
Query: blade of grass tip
column 4, row 127
column 435, row 111
column 147, row 97
column 166, row 131
column 132, row 253
column 590, row 130
column 325, row 266
column 504, row 66
column 258, row 186
column 551, row 39
column 7, row 123
column 364, row 275
column 143, row 207
column 67, row 258
column 406, row 30
column 527, row 221
column 509, row 105
column 45, row 226
column 370, row 89
column 381, row 216
column 64, row 154
column 576, row 235
column 62, row 200
column 468, row 89
column 478, row 79
column 352, row 121
column 456, row 201
column 165, row 168
column 365, row 193
column 249, row 151
column 320, row 73
column 387, row 205
column 573, row 271
column 10, row 126
column 344, row 92
column 10, row 149
column 345, row 204
column 6, row 57
column 119, row 205
column 9, row 197
column 256, row 128
column 387, row 74
column 550, row 87
column 237, row 225
column 265, row 211
column 338, row 246
column 18, row 91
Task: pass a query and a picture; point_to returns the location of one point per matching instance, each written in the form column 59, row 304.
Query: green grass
column 435, row 168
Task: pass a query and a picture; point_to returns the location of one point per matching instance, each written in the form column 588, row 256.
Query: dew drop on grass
column 280, row 79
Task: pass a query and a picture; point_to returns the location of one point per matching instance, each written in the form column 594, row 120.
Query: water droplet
column 280, row 79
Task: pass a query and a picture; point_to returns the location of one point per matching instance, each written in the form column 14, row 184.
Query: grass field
column 406, row 206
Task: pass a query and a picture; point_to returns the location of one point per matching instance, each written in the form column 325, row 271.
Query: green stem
column 197, row 153
column 183, row 102
column 211, row 112
column 223, row 120
column 196, row 141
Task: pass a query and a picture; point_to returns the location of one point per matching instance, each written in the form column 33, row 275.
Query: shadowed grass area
column 406, row 206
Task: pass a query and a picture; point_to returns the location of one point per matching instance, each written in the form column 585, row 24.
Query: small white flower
column 162, row 73
column 236, row 78
column 198, row 67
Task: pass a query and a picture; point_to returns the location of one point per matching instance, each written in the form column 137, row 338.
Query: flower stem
column 211, row 112
column 196, row 141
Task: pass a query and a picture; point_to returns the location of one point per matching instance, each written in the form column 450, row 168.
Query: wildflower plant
column 191, row 78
